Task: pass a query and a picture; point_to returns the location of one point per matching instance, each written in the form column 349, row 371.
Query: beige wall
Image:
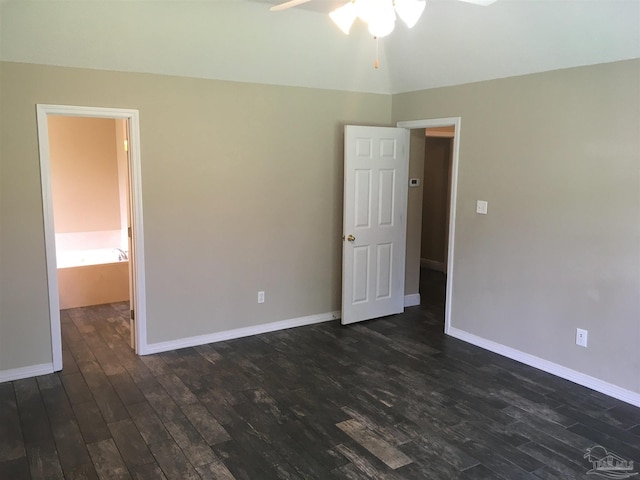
column 557, row 156
column 84, row 174
column 242, row 191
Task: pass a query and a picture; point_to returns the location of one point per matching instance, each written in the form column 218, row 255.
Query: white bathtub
column 92, row 277
column 96, row 256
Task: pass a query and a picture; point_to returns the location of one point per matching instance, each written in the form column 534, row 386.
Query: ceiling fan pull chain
column 376, row 63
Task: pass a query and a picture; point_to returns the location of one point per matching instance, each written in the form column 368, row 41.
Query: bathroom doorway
column 89, row 184
column 90, row 171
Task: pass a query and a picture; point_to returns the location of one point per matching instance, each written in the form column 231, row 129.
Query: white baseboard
column 553, row 368
column 412, row 300
column 239, row 333
column 433, row 265
column 25, row 372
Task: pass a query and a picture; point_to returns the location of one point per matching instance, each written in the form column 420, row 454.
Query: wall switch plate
column 482, row 207
column 260, row 297
column 581, row 337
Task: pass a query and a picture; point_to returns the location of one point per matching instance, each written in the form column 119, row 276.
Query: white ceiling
column 322, row 6
column 241, row 40
column 459, row 43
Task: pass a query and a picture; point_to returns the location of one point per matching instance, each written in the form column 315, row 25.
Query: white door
column 132, row 248
column 124, row 171
column 132, row 287
column 132, row 294
column 376, row 165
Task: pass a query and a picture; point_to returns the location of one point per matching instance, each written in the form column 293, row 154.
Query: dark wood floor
column 387, row 399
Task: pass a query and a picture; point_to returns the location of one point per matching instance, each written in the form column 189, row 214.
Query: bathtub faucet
column 122, row 255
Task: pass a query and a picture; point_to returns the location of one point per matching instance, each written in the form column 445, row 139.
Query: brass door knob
column 351, row 238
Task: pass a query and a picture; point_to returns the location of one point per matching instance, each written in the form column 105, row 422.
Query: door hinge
column 129, row 231
column 133, row 315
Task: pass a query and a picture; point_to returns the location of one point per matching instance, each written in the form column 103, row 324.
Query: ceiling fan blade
column 289, row 4
column 483, row 3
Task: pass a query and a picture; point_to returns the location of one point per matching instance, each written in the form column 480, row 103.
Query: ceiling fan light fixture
column 381, row 27
column 364, row 9
column 379, row 15
column 383, row 24
column 410, row 11
column 344, row 16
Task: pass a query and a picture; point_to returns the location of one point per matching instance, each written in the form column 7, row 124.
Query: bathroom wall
column 84, row 174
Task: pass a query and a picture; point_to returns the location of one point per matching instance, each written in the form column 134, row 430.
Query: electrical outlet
column 581, row 337
column 261, row 297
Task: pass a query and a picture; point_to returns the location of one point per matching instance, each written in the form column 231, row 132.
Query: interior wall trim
column 412, row 300
column 25, row 372
column 574, row 376
column 240, row 332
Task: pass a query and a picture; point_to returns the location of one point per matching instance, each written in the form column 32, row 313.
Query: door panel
column 363, row 198
column 360, row 274
column 385, row 210
column 131, row 250
column 376, row 176
column 384, row 270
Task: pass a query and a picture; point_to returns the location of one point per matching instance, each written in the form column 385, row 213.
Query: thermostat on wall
column 414, row 182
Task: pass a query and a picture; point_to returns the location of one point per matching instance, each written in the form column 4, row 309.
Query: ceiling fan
column 379, row 15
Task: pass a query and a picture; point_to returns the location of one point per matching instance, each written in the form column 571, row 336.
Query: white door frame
column 43, row 111
column 446, row 122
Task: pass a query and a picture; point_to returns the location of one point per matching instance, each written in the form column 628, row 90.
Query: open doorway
column 89, row 184
column 436, row 195
column 417, row 283
column 91, row 190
